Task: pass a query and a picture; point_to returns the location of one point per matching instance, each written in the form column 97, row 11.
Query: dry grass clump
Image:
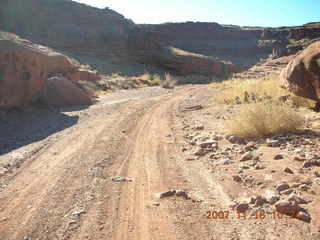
column 167, row 82
column 264, row 119
column 239, row 91
column 149, row 79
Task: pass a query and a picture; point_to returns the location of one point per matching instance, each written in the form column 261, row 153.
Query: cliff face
column 91, row 32
column 244, row 46
column 86, row 31
column 71, row 26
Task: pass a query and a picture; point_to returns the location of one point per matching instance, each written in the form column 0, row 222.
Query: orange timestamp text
column 259, row 215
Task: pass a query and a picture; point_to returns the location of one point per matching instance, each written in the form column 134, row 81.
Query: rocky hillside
column 242, row 45
column 102, row 37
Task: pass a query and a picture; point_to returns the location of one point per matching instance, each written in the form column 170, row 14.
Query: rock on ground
column 59, row 92
column 302, row 74
column 24, row 69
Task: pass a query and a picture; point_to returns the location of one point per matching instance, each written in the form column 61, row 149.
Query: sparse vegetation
column 239, row 91
column 118, row 81
column 263, row 108
column 168, row 82
column 264, row 119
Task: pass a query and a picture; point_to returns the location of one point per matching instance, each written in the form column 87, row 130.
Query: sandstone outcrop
column 60, row 92
column 244, row 46
column 109, row 41
column 302, row 74
column 100, row 33
column 24, row 68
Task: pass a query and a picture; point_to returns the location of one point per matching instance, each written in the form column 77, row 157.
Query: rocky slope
column 241, row 45
column 87, row 31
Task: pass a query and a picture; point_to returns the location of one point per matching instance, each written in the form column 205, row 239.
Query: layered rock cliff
column 241, row 45
column 83, row 30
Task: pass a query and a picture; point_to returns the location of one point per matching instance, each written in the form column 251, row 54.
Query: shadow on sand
column 18, row 129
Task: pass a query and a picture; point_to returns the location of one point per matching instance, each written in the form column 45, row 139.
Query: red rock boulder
column 302, row 74
column 24, row 68
column 59, row 92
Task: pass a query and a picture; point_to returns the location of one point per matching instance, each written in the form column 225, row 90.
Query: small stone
column 78, row 213
column 237, row 178
column 297, row 150
column 271, row 196
column 235, row 139
column 259, row 201
column 288, row 170
column 299, row 158
column 190, row 158
column 311, row 163
column 303, row 216
column 246, row 157
column 286, row 207
column 225, row 161
column 207, row 144
column 259, row 167
column 273, row 143
column 250, row 146
column 317, row 174
column 120, row 179
column 295, row 198
column 200, row 152
column 282, row 186
column 242, row 207
column 165, row 194
column 278, row 156
column 156, row 204
column 287, row 192
column 182, row 193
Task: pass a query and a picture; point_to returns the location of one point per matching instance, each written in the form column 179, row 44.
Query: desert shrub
column 146, row 76
column 264, row 119
column 167, row 82
column 240, row 91
column 156, row 80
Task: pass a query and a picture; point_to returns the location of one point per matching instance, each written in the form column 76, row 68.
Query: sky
column 266, row 13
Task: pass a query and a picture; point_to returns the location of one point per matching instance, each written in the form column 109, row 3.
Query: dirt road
column 64, row 184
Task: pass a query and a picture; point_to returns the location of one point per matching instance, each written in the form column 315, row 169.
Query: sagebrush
column 263, row 119
column 167, row 81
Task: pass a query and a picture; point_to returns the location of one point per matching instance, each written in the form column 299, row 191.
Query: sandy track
column 65, row 191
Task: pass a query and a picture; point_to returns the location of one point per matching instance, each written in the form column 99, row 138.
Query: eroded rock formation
column 302, row 74
column 243, row 46
column 25, row 67
column 91, row 31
